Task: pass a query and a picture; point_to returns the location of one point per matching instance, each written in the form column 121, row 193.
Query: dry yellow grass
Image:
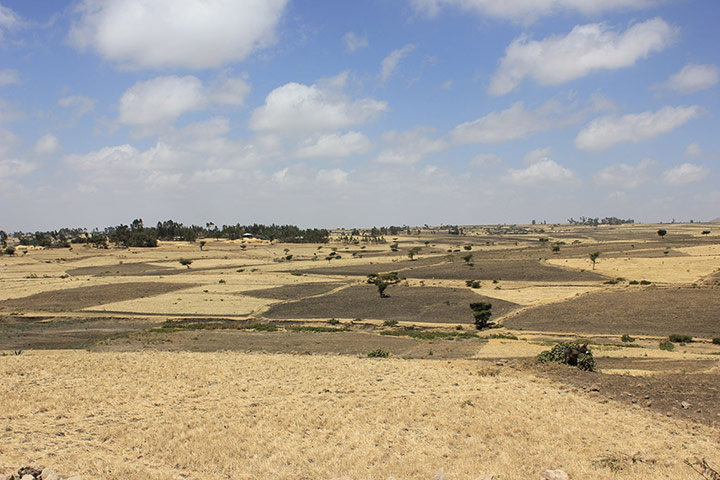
column 244, row 416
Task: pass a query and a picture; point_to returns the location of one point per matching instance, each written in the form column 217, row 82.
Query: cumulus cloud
column 334, row 145
column 486, row 160
column 15, row 168
column 334, row 177
column 79, row 103
column 509, row 124
column 8, row 141
column 586, row 49
column 47, row 145
column 692, row 78
column 161, row 34
column 529, row 10
column 8, row 20
column 295, row 107
column 9, row 76
column 626, row 176
column 390, row 63
column 537, row 155
column 409, row 147
column 153, row 105
column 545, row 172
column 354, row 42
column 684, row 174
column 605, row 132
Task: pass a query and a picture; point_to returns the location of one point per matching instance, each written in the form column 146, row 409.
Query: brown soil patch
column 513, row 270
column 662, row 393
column 121, row 269
column 637, row 310
column 72, row 299
column 293, row 292
column 413, row 304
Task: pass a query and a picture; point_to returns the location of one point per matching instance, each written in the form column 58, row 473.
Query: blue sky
column 347, row 113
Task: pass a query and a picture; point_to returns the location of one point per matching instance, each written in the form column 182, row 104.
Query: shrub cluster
column 569, row 353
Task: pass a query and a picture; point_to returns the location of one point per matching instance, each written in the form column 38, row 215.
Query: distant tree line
column 594, row 222
column 138, row 235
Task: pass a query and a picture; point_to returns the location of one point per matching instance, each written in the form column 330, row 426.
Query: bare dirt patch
column 294, row 292
column 413, row 304
column 73, row 299
column 636, row 310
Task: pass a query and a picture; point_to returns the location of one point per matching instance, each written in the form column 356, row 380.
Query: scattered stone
column 550, row 474
column 48, row 474
column 5, row 476
column 485, row 477
column 685, row 405
column 27, row 477
column 594, row 388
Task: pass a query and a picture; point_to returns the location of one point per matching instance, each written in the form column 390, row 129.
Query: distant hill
column 717, row 220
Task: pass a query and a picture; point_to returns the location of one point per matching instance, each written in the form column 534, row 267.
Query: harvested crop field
column 294, row 292
column 82, row 297
column 156, row 415
column 411, row 304
column 639, row 311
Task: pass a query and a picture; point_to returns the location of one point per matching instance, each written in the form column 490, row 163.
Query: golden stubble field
column 124, row 406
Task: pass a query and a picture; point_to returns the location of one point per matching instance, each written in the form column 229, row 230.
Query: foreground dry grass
column 155, row 415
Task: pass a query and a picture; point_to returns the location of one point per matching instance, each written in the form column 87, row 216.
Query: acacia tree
column 412, row 252
column 662, row 232
column 593, row 258
column 481, row 314
column 185, row 262
column 382, row 281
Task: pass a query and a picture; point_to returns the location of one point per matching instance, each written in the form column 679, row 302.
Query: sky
column 344, row 113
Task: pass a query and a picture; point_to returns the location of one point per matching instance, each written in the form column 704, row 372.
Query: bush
column 627, row 338
column 675, row 338
column 467, row 247
column 473, row 283
column 645, row 282
column 390, row 323
column 569, row 353
column 667, row 345
column 10, row 250
column 716, row 341
column 333, row 321
column 634, row 282
column 378, row 353
column 185, row 262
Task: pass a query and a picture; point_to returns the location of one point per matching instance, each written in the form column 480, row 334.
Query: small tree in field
column 382, row 281
column 593, row 258
column 412, row 252
column 662, row 232
column 468, row 257
column 186, row 262
column 202, row 244
column 481, row 313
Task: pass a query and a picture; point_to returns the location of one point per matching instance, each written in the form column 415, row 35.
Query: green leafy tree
column 593, row 258
column 3, row 238
column 662, row 232
column 412, row 252
column 468, row 257
column 382, row 281
column 186, row 262
column 481, row 314
column 202, row 244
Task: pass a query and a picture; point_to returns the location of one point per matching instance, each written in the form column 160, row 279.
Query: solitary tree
column 186, row 262
column 593, row 258
column 481, row 313
column 3, row 238
column 382, row 281
column 412, row 252
column 556, row 248
column 662, row 232
column 202, row 244
column 468, row 257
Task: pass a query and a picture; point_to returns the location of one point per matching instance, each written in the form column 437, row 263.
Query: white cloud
column 334, row 145
column 545, row 172
column 155, row 104
column 80, row 103
column 409, row 147
column 685, row 173
column 486, row 160
column 693, row 78
column 47, row 145
column 295, row 107
column 15, row 168
column 605, row 132
column 624, row 175
column 529, row 10
column 586, row 49
column 8, row 140
column 537, row 155
column 215, row 175
column 693, row 150
column 8, row 20
column 447, row 85
column 334, row 177
column 390, row 63
column 509, row 124
column 354, row 42
column 166, row 33
column 9, row 76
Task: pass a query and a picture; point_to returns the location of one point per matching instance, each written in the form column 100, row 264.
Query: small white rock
column 27, row 477
column 48, row 474
column 485, row 477
column 550, row 474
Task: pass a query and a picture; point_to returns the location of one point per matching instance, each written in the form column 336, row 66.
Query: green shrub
column 675, row 338
column 473, row 283
column 716, row 341
column 627, row 338
column 390, row 323
column 569, row 353
column 9, row 250
column 634, row 282
column 667, row 345
column 467, row 247
column 378, row 353
column 333, row 321
column 645, row 282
